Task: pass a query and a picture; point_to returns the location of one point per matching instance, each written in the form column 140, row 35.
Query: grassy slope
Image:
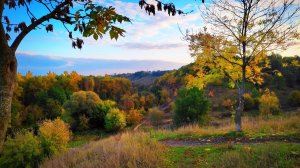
column 142, row 149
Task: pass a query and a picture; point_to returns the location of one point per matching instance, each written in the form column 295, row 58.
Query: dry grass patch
column 252, row 127
column 122, row 150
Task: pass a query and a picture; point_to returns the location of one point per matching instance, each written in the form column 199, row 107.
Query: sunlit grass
column 142, row 149
column 252, row 127
column 122, row 150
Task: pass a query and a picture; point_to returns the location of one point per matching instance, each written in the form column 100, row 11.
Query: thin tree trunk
column 240, row 108
column 8, row 68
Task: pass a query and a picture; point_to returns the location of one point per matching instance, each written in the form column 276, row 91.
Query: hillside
column 142, row 79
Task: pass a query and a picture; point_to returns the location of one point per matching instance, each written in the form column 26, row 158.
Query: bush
column 156, row 116
column 228, row 104
column 115, row 120
column 191, row 106
column 22, row 151
column 54, row 136
column 249, row 102
column 96, row 119
column 269, row 103
column 294, row 98
column 89, row 104
column 83, row 123
column 134, row 117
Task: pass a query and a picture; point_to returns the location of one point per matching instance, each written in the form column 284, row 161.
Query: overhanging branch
column 33, row 25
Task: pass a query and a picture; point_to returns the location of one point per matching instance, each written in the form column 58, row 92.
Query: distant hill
column 143, row 78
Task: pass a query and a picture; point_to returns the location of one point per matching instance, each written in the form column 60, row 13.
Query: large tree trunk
column 8, row 68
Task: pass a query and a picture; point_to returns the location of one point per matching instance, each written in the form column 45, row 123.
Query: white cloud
column 145, row 27
column 151, row 46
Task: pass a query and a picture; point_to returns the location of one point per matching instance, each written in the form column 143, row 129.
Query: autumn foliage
column 134, row 117
column 22, row 151
column 55, row 136
column 269, row 103
column 115, row 120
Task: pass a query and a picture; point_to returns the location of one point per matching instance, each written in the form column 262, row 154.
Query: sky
column 148, row 38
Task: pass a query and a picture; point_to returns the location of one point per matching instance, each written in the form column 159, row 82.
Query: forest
column 237, row 104
column 89, row 108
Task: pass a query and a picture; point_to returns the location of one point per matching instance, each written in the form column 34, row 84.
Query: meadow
column 146, row 148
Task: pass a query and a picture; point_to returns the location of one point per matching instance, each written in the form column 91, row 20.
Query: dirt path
column 224, row 140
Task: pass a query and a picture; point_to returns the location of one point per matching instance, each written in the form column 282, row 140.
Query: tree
column 83, row 103
column 269, row 103
column 54, row 136
column 115, row 120
column 191, row 106
column 244, row 32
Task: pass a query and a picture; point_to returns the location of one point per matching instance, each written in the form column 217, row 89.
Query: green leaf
column 77, row 15
column 95, row 36
column 113, row 34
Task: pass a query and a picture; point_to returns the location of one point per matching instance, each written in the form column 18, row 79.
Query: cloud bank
column 151, row 46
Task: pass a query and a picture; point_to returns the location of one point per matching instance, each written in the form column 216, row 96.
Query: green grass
column 261, row 155
column 77, row 143
column 231, row 134
column 82, row 138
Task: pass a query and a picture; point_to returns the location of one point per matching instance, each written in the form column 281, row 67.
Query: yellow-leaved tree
column 240, row 35
column 55, row 136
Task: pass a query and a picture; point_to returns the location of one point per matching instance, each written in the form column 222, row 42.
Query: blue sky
column 147, row 38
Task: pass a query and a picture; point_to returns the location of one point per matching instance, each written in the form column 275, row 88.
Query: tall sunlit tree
column 238, row 36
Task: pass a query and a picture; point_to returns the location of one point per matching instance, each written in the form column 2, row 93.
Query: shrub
column 83, row 123
column 191, row 106
column 156, row 116
column 228, row 104
column 89, row 104
column 294, row 98
column 115, row 120
column 269, row 103
column 134, row 117
column 22, row 151
column 97, row 118
column 249, row 102
column 54, row 136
